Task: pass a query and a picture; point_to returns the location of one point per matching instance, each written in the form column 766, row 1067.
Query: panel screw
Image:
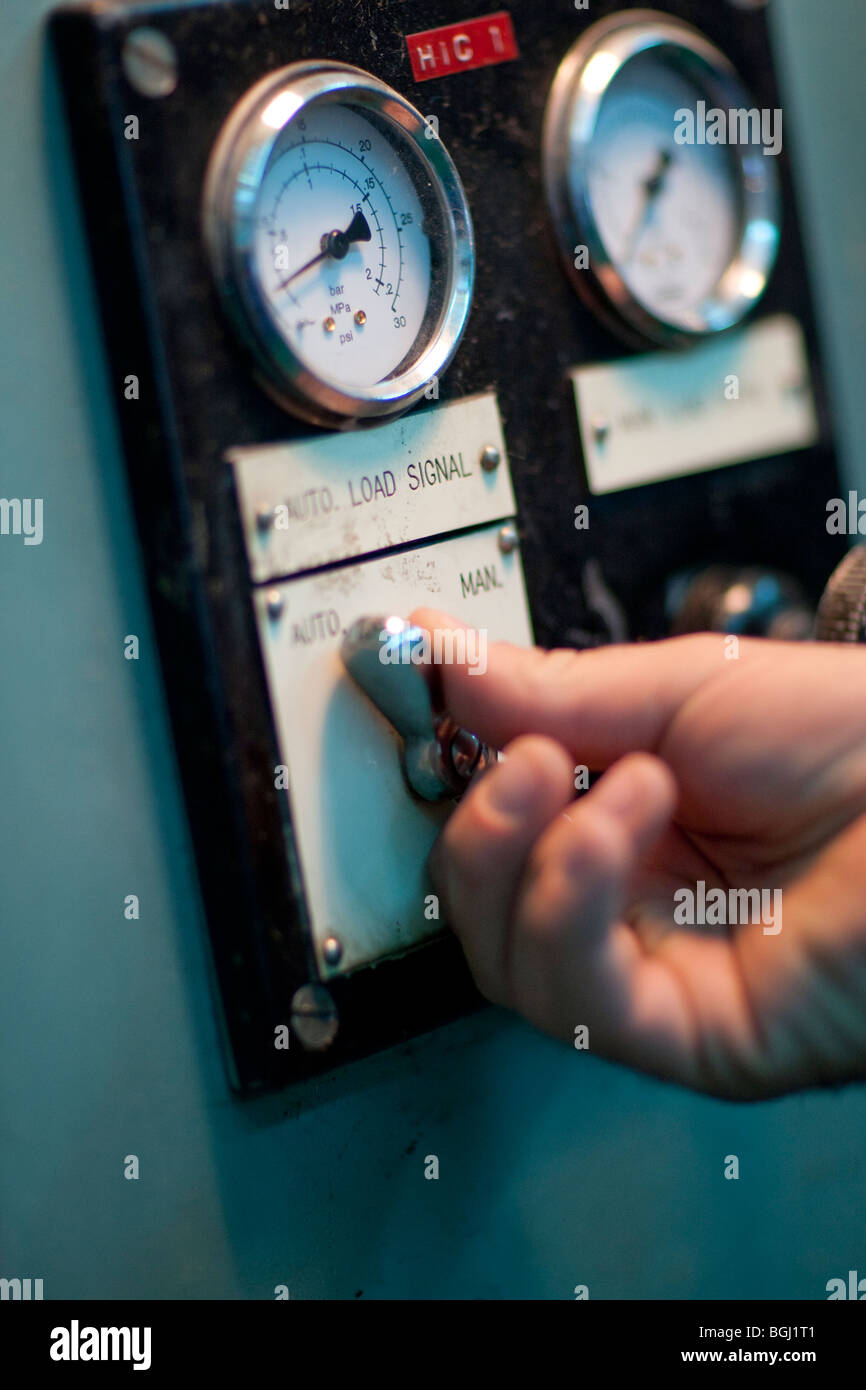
column 507, row 538
column 600, row 431
column 360, row 318
column 332, row 950
column 149, row 62
column 274, row 603
column 265, row 518
column 490, row 458
column 329, row 324
column 314, row 1017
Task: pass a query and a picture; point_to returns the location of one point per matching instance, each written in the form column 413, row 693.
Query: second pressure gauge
column 668, row 228
column 341, row 242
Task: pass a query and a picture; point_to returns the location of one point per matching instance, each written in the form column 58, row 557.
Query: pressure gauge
column 341, row 242
column 664, row 198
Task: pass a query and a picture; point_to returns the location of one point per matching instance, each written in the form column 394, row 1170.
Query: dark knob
column 749, row 602
column 384, row 656
column 842, row 610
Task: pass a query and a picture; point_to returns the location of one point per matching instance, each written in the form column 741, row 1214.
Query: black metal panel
column 162, row 323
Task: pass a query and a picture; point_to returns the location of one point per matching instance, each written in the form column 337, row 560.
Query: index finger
column 605, row 702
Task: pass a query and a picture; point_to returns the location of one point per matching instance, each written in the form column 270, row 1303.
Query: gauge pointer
column 652, row 187
column 335, row 246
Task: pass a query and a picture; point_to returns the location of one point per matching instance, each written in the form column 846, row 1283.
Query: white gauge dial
column 341, row 240
column 668, row 214
column 353, row 309
column 680, row 237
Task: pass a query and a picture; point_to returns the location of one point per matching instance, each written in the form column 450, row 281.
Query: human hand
column 743, row 774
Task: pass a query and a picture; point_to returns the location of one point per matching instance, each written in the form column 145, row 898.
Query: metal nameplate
column 339, row 496
column 664, row 416
column 363, row 837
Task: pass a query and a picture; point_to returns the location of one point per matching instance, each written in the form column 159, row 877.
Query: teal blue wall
column 556, row 1169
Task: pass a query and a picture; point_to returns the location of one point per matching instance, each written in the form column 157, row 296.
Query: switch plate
column 363, row 838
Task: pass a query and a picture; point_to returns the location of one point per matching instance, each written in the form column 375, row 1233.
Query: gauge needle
column 652, row 187
column 335, row 245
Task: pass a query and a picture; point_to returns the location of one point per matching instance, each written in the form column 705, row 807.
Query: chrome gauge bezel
column 236, row 168
column 570, row 121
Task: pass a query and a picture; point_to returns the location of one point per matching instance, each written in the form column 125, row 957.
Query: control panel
column 503, row 313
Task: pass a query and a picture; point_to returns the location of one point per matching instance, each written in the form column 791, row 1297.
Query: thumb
column 605, row 702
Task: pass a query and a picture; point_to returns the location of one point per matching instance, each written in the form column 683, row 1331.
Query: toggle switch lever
column 386, row 657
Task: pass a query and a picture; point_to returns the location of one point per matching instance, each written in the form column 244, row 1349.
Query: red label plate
column 478, row 43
